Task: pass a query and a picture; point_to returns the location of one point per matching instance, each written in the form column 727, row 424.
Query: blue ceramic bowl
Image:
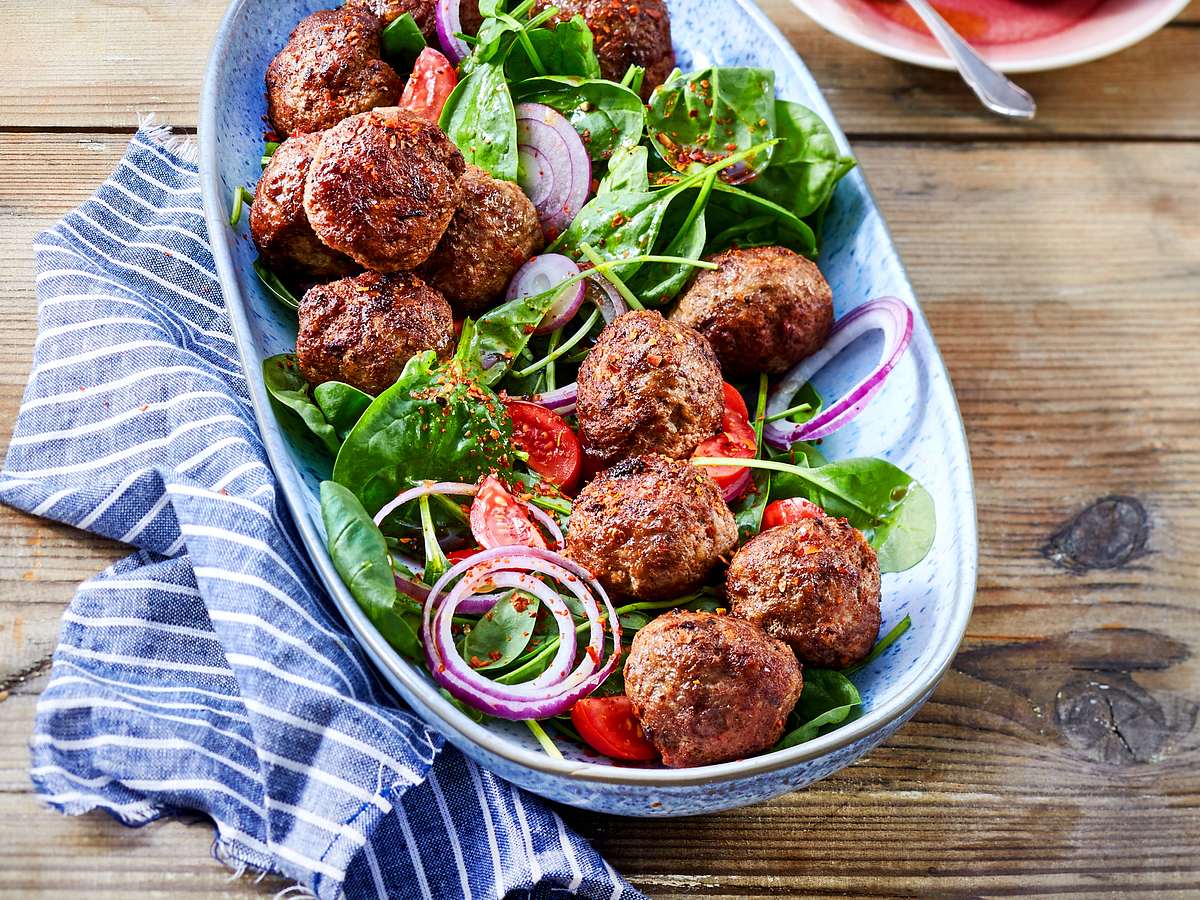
column 914, row 423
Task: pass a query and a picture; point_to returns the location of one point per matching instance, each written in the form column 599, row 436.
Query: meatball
column 648, row 386
column 763, row 310
column 278, row 223
column 626, row 34
column 363, row 330
column 814, row 584
column 382, row 188
column 709, row 688
column 424, row 13
column 651, row 528
column 494, row 232
column 330, row 69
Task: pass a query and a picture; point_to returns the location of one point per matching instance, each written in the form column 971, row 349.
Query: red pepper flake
column 591, row 651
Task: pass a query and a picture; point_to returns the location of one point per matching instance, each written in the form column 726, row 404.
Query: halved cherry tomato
column 431, row 82
column 498, row 519
column 793, row 509
column 737, row 439
column 609, row 725
column 554, row 450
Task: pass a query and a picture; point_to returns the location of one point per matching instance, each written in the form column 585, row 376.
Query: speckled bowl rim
column 437, row 711
column 937, row 59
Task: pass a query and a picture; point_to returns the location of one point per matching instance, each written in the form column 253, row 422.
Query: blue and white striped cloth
column 208, row 671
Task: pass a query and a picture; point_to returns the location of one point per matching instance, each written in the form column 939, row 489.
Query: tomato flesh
column 431, row 82
column 793, row 509
column 609, row 726
column 553, row 449
column 498, row 519
column 737, row 439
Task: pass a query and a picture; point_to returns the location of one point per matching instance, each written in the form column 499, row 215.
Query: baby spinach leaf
column 881, row 646
column 748, row 511
column 566, row 49
column 402, row 42
column 342, row 405
column 502, row 332
column 360, row 556
column 436, row 422
column 502, row 633
column 696, row 119
column 480, row 119
column 659, row 283
column 627, row 171
column 892, row 510
column 281, row 375
column 807, row 163
column 828, row 698
column 274, row 286
column 607, row 116
column 735, row 216
column 617, row 225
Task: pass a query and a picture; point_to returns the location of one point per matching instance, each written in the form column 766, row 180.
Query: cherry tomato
column 609, row 725
column 737, row 439
column 430, row 83
column 498, row 519
column 793, row 509
column 554, row 450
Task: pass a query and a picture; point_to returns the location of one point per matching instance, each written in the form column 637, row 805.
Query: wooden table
column 1059, row 264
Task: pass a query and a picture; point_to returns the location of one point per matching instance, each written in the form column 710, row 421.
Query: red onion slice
column 737, row 487
column 887, row 314
column 449, row 23
column 454, row 488
column 556, row 689
column 555, row 169
column 606, row 297
column 539, row 275
column 561, row 400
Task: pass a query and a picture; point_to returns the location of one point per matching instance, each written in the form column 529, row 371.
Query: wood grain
column 1065, row 306
column 135, row 56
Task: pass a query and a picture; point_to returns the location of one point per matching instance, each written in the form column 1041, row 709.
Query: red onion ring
column 556, row 689
column 887, row 314
column 449, row 23
column 555, row 169
column 456, row 488
column 611, row 304
column 736, row 488
column 541, row 274
column 561, row 400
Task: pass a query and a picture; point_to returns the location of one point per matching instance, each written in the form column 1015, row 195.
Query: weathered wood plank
column 133, row 56
column 1064, row 305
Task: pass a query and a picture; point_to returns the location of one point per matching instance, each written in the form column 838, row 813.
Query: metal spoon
column 997, row 93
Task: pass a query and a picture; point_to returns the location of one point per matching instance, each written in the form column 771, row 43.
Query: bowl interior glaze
column 914, row 423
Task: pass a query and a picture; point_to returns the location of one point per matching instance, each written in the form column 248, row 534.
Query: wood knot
column 1118, row 724
column 1104, row 535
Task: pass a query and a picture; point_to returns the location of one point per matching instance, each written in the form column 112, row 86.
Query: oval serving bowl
column 913, row 422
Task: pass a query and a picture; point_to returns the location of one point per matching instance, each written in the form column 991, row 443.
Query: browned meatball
column 494, row 232
column 363, row 330
column 382, row 188
column 763, row 310
column 648, row 386
column 709, row 688
column 278, row 223
column 626, row 34
column 814, row 584
column 651, row 528
column 330, row 69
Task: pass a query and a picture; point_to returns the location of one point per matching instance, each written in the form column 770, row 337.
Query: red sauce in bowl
column 995, row 21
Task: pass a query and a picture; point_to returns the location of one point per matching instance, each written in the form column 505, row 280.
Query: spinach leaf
column 807, row 163
column 828, row 698
column 699, row 118
column 274, row 286
column 881, row 646
column 436, row 422
column 342, row 405
column 502, row 633
column 748, row 511
column 627, row 171
column 281, row 375
column 566, row 49
column 480, row 119
column 503, row 332
column 607, row 116
column 617, row 225
column 402, row 41
column 360, row 556
column 894, row 512
column 737, row 217
column 659, row 283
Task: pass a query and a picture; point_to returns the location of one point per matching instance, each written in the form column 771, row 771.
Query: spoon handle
column 995, row 91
